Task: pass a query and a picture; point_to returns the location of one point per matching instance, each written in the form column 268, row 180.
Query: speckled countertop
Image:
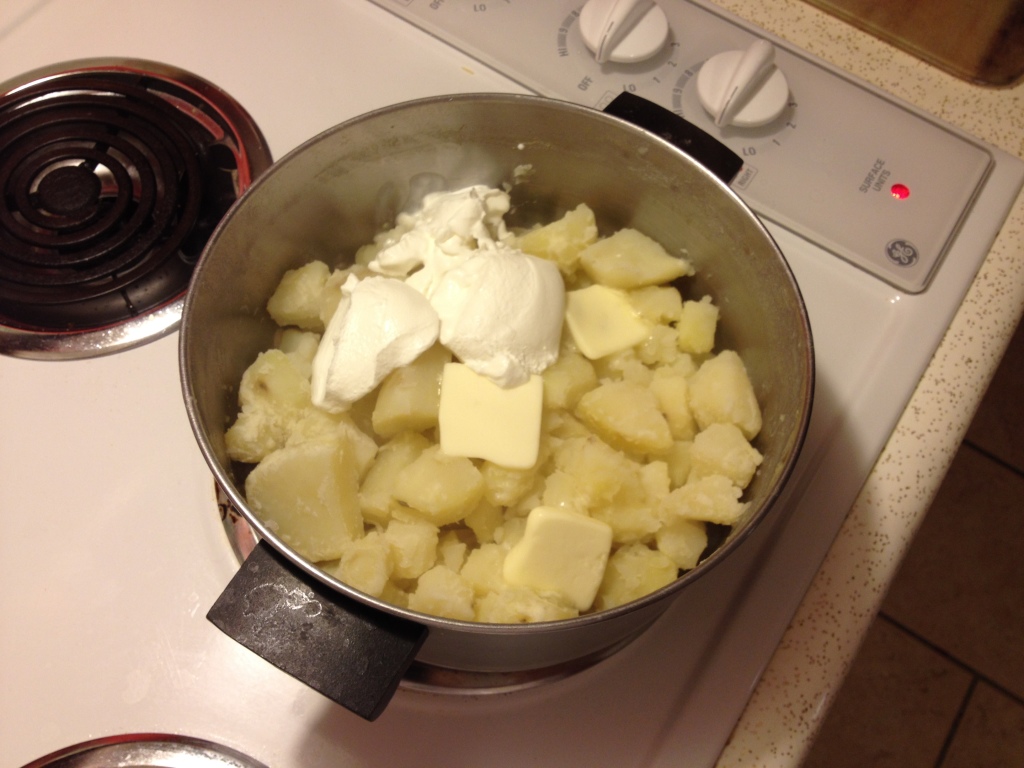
column 792, row 698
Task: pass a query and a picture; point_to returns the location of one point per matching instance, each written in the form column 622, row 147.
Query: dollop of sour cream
column 380, row 324
column 447, row 273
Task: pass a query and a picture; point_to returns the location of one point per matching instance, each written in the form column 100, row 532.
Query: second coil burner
column 113, row 175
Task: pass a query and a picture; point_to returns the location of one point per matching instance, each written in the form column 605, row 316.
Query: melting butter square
column 480, row 420
column 602, row 321
column 562, row 553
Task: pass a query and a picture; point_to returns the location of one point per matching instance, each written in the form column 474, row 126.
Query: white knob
column 743, row 88
column 623, row 31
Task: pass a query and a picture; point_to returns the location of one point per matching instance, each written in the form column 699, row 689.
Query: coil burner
column 113, row 175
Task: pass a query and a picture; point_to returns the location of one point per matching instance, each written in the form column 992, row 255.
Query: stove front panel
column 874, row 182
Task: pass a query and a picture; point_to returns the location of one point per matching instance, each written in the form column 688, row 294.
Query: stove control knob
column 623, row 31
column 743, row 88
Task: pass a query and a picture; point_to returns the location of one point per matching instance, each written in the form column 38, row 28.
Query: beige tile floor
column 939, row 681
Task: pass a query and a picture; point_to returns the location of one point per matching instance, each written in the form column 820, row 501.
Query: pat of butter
column 561, row 552
column 480, row 420
column 603, row 321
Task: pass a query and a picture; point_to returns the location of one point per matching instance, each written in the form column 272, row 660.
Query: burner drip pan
column 113, row 175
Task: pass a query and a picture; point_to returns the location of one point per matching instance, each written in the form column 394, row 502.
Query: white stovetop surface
column 103, row 603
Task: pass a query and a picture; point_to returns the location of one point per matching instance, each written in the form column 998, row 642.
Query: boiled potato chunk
column 678, row 460
column 697, row 325
column 511, row 531
column 273, row 379
column 413, row 547
column 564, row 491
column 721, row 392
column 314, row 424
column 684, row 364
column 633, row 513
column 630, row 259
column 365, row 564
column 561, row 425
column 627, row 416
column 683, row 541
column 300, row 346
column 630, row 522
column 623, row 366
column 633, row 571
column 451, row 549
column 504, row 486
column 661, row 347
column 520, row 605
column 272, row 395
column 485, row 520
column 298, row 296
column 409, row 396
column 561, row 241
column 598, row 472
column 307, row 494
column 672, row 392
column 483, row 568
column 363, row 447
column 567, row 380
column 255, row 434
column 714, row 499
column 377, row 494
column 441, row 592
column 722, row 449
column 657, row 304
column 442, row 488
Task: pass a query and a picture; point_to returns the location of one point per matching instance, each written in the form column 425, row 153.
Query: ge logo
column 901, row 253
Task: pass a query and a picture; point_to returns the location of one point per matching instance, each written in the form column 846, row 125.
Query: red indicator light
column 900, row 191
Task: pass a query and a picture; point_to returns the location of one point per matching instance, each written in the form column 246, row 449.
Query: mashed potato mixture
column 494, row 426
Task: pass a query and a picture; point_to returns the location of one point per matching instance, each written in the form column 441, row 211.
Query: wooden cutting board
column 981, row 41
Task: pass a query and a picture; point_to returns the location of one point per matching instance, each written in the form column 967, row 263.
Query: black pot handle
column 353, row 654
column 702, row 147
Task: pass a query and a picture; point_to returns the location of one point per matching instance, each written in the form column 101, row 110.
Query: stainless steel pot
column 334, row 194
